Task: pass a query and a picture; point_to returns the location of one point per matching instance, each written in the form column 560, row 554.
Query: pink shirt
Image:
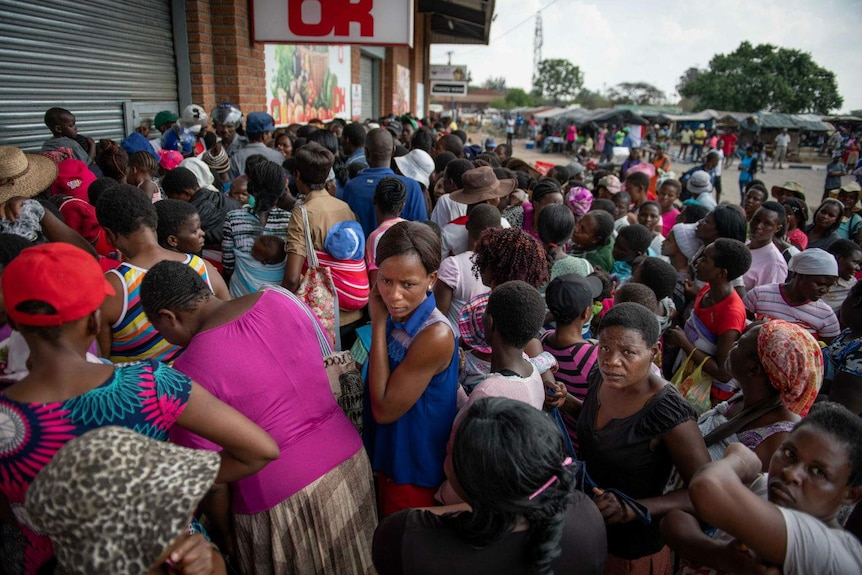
column 374, row 239
column 668, row 220
column 267, row 365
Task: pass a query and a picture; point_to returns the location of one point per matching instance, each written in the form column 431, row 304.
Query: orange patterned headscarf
column 793, row 362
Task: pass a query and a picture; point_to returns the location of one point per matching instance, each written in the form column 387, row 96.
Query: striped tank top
column 134, row 337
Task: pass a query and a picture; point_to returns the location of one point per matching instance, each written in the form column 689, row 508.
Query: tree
column 687, row 78
column 639, row 93
column 497, row 84
column 764, row 77
column 592, row 100
column 517, row 97
column 558, row 79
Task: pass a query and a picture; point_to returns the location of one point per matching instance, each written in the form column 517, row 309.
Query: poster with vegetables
column 305, row 82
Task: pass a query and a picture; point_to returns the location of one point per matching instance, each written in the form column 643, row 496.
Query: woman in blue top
column 412, row 370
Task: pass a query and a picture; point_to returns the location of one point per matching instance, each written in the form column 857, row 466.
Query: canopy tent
column 593, row 118
column 791, row 122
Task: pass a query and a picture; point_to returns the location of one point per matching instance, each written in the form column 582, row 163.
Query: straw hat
column 24, row 174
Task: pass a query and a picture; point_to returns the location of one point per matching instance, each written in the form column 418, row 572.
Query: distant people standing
column 510, row 130
column 782, row 141
column 759, row 153
column 697, row 142
column 684, row 142
column 729, row 141
column 571, row 136
column 259, row 128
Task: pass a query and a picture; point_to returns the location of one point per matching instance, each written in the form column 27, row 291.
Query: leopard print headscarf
column 113, row 500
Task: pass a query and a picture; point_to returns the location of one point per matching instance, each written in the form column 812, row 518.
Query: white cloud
column 618, row 40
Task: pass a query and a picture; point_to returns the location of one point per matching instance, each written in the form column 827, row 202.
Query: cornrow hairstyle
column 545, row 187
column 507, row 254
column 504, row 452
column 844, row 426
column 518, row 310
column 778, row 209
column 638, row 237
column 423, row 139
column 843, row 247
column 172, row 286
column 172, row 214
column 406, row 238
column 390, row 195
column 632, row 316
column 178, row 180
column 637, row 293
column 143, row 160
column 124, row 209
column 266, row 183
column 97, row 187
column 639, row 179
column 828, row 202
column 798, row 208
column 659, row 276
column 732, row 256
column 112, row 159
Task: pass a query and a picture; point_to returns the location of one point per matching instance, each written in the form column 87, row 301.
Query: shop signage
column 448, row 89
column 368, row 22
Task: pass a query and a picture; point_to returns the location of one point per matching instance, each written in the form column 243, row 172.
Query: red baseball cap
column 59, row 274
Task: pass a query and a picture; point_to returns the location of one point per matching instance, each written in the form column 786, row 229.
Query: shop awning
column 459, row 21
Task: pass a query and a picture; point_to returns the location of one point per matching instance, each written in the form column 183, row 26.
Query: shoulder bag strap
column 734, row 424
column 310, row 254
column 322, row 340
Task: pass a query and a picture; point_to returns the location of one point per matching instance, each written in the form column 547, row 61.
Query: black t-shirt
column 415, row 542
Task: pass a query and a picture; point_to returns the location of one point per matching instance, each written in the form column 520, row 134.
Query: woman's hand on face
column 611, row 508
column 376, row 307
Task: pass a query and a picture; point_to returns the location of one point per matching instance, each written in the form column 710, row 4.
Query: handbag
column 345, row 381
column 694, row 385
column 317, row 289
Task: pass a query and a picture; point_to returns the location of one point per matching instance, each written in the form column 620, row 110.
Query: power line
column 515, row 27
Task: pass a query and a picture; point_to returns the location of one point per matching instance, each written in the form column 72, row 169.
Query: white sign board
column 368, row 22
column 356, row 101
column 448, row 89
column 448, row 73
column 420, row 100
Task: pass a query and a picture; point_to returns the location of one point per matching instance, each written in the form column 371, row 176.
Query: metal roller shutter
column 369, row 93
column 90, row 57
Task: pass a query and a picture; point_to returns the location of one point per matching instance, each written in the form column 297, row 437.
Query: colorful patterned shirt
column 146, row 396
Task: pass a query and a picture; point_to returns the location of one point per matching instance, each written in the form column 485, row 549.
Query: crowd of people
column 619, row 374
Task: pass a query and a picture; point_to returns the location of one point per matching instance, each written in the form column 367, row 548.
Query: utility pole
column 452, row 99
column 537, row 47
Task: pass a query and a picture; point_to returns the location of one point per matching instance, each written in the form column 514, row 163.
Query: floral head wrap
column 793, row 361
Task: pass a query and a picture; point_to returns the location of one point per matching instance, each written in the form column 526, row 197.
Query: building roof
column 459, row 21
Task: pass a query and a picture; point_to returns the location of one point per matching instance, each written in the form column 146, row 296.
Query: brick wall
column 226, row 65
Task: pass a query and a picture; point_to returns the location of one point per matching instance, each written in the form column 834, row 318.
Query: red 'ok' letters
column 335, row 16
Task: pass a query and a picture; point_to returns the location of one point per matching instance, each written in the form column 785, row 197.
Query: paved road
column 812, row 180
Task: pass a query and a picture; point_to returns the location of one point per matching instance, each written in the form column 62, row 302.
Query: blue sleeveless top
column 412, row 450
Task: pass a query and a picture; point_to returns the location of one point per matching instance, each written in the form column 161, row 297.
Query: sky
column 615, row 41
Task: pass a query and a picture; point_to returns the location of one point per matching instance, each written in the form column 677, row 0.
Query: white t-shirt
column 457, row 273
column 717, row 169
column 768, row 266
column 446, row 210
column 782, row 140
column 813, row 547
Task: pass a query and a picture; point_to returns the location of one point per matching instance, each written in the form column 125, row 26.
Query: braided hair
column 266, row 183
column 503, row 452
column 145, row 161
column 112, row 159
column 390, row 195
column 506, row 254
column 173, row 286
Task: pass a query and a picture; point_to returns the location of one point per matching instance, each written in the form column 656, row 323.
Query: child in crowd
column 849, row 257
column 456, row 283
column 797, row 217
column 718, row 317
column 754, row 198
column 592, row 239
column 622, row 202
column 268, row 250
column 636, row 293
column 64, row 132
column 239, row 191
column 661, row 277
column 389, row 198
column 851, row 223
column 637, row 185
column 570, row 299
column 790, row 514
column 514, row 316
column 632, row 241
column 649, row 216
column 668, row 194
column 556, row 224
column 142, row 169
column 179, row 227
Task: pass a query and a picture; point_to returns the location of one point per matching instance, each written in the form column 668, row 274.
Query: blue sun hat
column 346, row 241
